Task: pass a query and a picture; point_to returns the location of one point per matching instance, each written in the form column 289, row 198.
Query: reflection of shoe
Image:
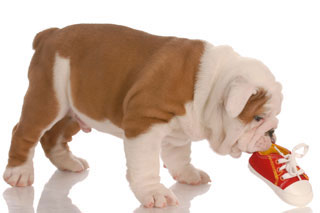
column 277, row 167
column 299, row 210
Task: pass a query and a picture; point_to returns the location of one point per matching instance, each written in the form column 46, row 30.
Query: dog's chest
column 189, row 125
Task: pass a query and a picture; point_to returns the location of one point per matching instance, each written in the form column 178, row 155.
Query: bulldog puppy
column 157, row 93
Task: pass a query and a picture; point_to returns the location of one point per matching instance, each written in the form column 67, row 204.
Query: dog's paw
column 157, row 196
column 70, row 163
column 20, row 175
column 191, row 175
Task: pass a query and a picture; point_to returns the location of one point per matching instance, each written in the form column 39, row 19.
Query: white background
column 283, row 34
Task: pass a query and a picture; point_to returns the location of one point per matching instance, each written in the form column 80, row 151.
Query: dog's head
column 250, row 103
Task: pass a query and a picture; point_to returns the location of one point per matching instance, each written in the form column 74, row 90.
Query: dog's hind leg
column 54, row 143
column 41, row 110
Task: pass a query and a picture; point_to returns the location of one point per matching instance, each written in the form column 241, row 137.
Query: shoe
column 277, row 167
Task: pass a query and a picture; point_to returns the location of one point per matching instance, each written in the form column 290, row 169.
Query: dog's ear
column 238, row 94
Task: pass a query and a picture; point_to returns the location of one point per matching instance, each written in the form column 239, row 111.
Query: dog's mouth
column 263, row 142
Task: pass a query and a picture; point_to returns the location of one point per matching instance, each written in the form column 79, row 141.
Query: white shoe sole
column 292, row 199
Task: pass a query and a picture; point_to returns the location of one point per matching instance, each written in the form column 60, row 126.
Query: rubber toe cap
column 299, row 193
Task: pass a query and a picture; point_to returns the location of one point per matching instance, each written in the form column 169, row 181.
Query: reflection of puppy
column 55, row 193
column 54, row 197
column 185, row 194
column 19, row 199
column 152, row 91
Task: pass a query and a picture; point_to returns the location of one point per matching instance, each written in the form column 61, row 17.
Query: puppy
column 157, row 93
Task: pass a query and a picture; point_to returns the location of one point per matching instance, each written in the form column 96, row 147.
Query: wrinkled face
column 250, row 116
column 259, row 123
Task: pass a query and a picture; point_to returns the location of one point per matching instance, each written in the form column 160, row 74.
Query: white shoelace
column 290, row 163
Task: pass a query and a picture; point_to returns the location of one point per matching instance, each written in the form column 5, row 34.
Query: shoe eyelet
column 277, row 162
column 278, row 170
column 281, row 178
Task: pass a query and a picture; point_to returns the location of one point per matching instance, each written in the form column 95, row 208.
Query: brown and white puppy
column 157, row 93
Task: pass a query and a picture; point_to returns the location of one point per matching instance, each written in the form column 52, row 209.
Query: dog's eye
column 257, row 118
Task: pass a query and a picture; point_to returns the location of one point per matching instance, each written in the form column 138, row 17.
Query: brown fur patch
column 42, row 36
column 254, row 106
column 40, row 108
column 65, row 128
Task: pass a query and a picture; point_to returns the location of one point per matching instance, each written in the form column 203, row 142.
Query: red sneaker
column 277, row 167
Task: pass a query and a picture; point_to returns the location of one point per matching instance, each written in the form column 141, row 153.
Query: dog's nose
column 270, row 132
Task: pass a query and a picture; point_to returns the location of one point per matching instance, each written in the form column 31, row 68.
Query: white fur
column 190, row 125
column 220, row 69
column 142, row 153
column 177, row 160
column 238, row 95
column 61, row 76
column 22, row 175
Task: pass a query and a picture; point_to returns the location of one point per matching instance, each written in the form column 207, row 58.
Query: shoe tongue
column 272, row 150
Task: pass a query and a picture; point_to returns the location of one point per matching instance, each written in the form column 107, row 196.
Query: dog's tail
column 41, row 36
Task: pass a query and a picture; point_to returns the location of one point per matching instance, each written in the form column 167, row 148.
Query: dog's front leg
column 142, row 154
column 175, row 154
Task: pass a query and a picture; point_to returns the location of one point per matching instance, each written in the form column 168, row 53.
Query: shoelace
column 290, row 163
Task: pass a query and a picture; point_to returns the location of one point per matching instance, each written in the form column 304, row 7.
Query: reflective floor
column 55, row 197
column 104, row 188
